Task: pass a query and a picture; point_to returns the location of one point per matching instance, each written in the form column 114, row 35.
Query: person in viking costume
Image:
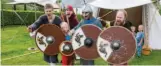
column 121, row 20
column 67, row 60
column 87, row 19
column 70, row 17
column 47, row 18
column 140, row 40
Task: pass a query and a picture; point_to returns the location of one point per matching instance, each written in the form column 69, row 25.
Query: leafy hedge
column 9, row 17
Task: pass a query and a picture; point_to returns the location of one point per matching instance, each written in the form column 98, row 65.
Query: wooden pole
column 35, row 11
column 25, row 7
column 14, row 7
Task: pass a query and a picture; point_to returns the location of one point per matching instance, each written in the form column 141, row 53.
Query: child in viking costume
column 140, row 40
column 133, row 30
column 70, row 17
column 47, row 18
column 66, row 60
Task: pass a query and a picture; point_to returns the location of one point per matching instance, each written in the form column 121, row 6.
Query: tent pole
column 14, row 7
column 25, row 8
column 35, row 11
column 2, row 21
column 76, row 13
column 84, row 2
column 145, row 24
column 98, row 12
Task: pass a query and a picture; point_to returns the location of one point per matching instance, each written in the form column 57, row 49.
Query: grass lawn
column 15, row 41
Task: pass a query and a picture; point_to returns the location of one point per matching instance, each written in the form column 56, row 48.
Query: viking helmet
column 87, row 8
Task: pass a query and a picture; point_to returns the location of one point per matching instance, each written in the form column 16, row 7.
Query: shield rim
column 62, row 52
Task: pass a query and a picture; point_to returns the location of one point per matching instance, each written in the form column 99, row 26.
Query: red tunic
column 68, row 60
column 73, row 21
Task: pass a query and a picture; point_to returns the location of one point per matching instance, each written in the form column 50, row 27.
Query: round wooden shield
column 48, row 38
column 116, row 45
column 84, row 41
column 66, row 48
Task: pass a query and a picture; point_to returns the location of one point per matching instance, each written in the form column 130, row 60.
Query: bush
column 79, row 17
column 11, row 17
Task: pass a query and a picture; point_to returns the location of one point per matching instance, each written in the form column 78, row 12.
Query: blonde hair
column 62, row 23
column 141, row 26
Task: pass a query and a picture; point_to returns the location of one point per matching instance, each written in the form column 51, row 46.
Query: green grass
column 15, row 40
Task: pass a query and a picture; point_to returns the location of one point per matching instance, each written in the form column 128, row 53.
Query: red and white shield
column 48, row 38
column 84, row 41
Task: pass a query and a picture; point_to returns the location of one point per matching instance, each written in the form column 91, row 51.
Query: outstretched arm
column 35, row 25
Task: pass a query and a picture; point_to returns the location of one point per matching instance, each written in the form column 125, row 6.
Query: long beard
column 119, row 23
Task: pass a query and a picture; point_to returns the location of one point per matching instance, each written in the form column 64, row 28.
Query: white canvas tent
column 118, row 4
column 150, row 16
column 76, row 3
column 153, row 19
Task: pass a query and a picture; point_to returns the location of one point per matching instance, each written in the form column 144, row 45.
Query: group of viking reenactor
column 90, row 27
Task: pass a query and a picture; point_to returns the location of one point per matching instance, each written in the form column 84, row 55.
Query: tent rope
column 19, row 56
column 19, row 26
